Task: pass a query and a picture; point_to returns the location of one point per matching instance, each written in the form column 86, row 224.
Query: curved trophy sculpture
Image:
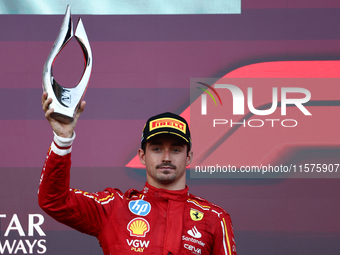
column 65, row 101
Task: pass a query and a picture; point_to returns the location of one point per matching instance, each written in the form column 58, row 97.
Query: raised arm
column 75, row 208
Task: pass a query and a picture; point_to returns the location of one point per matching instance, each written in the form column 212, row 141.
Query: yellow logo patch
column 168, row 122
column 138, row 227
column 196, row 215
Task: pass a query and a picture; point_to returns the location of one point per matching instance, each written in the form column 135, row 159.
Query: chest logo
column 138, row 227
column 196, row 215
column 194, row 232
column 138, row 245
column 139, row 207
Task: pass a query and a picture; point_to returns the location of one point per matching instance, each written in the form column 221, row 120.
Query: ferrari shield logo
column 196, row 215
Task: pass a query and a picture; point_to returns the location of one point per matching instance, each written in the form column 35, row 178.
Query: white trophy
column 65, row 101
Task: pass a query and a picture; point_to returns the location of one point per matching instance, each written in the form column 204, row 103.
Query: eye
column 156, row 149
column 176, row 150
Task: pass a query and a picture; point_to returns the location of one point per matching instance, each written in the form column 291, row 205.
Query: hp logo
column 140, row 207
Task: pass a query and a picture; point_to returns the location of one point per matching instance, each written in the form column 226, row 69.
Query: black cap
column 166, row 123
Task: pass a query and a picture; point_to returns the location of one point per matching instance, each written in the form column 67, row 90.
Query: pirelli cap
column 166, row 123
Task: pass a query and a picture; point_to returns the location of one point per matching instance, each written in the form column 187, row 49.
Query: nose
column 166, row 156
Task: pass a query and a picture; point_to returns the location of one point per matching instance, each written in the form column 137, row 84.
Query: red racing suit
column 151, row 221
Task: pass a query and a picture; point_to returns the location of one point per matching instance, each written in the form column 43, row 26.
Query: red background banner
column 142, row 66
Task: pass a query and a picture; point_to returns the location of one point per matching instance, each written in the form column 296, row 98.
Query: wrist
column 64, row 141
column 62, row 145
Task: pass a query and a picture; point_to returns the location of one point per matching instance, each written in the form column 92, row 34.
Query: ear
column 189, row 158
column 141, row 155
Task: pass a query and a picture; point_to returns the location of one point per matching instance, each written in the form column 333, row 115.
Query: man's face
column 165, row 158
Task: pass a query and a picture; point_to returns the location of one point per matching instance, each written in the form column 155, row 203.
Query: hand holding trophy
column 66, row 101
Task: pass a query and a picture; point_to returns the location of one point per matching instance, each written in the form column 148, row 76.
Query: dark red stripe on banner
column 151, row 64
column 251, row 24
column 25, row 143
column 102, row 104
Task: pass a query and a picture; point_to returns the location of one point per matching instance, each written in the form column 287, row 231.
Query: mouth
column 166, row 167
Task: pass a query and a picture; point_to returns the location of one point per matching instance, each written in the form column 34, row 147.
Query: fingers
column 80, row 109
column 45, row 101
column 45, row 105
column 43, row 97
column 48, row 113
column 82, row 106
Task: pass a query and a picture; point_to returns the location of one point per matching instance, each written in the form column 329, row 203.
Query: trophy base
column 62, row 118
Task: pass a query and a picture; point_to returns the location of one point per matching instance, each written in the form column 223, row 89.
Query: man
column 163, row 218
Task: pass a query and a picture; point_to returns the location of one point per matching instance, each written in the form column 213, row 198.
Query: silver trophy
column 65, row 101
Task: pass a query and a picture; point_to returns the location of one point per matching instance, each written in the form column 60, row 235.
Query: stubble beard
column 167, row 175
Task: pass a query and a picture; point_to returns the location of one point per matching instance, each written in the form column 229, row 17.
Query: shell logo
column 138, row 227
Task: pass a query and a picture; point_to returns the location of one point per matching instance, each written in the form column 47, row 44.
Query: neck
column 178, row 185
column 166, row 194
